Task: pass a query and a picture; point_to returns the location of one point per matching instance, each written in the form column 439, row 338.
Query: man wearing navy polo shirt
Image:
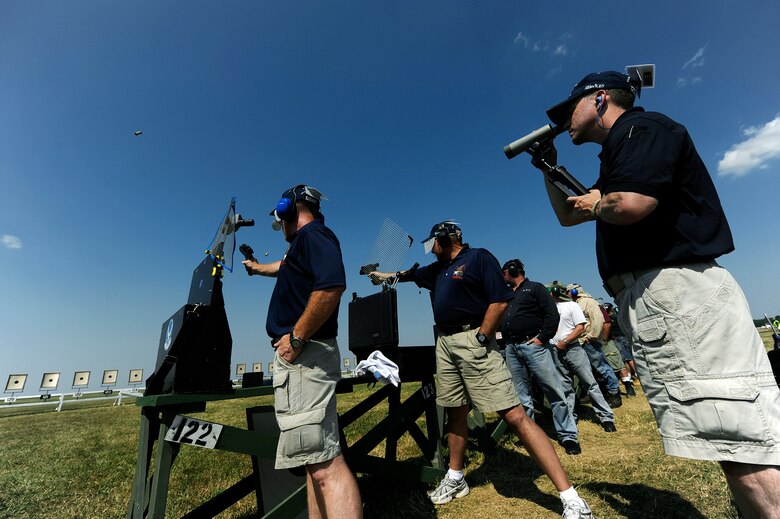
column 303, row 323
column 659, row 228
column 470, row 297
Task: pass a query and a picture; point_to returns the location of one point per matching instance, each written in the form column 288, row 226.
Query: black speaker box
column 373, row 324
column 194, row 352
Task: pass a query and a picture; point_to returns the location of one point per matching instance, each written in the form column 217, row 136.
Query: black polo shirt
column 313, row 262
column 650, row 154
column 464, row 287
column 531, row 312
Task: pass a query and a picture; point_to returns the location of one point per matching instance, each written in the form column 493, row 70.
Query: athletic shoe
column 614, row 400
column 571, row 447
column 449, row 489
column 629, row 389
column 609, row 426
column 576, row 509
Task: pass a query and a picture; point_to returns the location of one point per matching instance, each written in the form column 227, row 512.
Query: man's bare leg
column 335, row 486
column 756, row 488
column 457, row 427
column 538, row 446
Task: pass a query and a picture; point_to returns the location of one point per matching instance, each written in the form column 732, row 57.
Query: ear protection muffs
column 574, row 292
column 513, row 267
column 558, row 291
column 285, row 208
column 443, row 239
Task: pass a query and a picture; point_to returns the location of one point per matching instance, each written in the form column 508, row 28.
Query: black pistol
column 249, row 254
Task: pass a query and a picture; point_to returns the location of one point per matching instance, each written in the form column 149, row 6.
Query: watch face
column 295, row 342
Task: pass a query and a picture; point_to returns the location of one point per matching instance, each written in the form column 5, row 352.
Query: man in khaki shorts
column 303, row 323
column 470, row 297
column 659, row 227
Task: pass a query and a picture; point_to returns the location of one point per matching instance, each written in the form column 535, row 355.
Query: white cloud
column 697, row 60
column 558, row 48
column 761, row 146
column 687, row 78
column 11, row 242
column 522, row 38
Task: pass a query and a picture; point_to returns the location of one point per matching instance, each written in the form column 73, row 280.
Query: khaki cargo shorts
column 467, row 371
column 305, row 405
column 702, row 364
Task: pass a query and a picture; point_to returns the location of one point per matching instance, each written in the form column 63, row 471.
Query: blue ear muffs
column 285, row 209
column 574, row 292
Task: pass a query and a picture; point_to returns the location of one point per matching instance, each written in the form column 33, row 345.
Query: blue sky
column 396, row 110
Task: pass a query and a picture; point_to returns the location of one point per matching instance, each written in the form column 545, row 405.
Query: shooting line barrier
column 164, row 420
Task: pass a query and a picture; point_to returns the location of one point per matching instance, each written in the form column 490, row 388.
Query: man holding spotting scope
column 470, row 297
column 659, row 228
column 303, row 323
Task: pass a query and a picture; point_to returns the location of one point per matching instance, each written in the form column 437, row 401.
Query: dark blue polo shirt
column 464, row 287
column 650, row 154
column 313, row 262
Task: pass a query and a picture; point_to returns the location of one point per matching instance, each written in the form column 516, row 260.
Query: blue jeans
column 522, row 358
column 601, row 366
column 574, row 360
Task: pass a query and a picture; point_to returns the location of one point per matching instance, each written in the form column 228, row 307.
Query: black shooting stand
column 193, row 368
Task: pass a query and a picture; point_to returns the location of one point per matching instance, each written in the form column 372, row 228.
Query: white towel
column 383, row 369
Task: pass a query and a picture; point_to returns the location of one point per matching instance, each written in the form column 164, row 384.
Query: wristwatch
column 482, row 339
column 295, row 342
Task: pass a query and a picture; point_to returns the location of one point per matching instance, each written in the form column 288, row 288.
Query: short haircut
column 622, row 98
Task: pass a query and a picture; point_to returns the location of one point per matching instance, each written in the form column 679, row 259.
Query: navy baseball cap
column 608, row 80
column 446, row 228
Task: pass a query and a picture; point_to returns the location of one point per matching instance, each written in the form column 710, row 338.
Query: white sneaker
column 449, row 489
column 576, row 509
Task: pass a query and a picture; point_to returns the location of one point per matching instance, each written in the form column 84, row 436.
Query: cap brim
column 560, row 112
column 428, row 244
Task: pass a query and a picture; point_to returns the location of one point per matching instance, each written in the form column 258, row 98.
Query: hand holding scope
column 545, row 133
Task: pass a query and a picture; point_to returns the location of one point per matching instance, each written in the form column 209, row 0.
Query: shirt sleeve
column 550, row 310
column 493, row 279
column 643, row 160
column 425, row 277
column 323, row 255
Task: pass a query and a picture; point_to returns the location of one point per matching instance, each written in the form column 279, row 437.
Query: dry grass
column 80, row 463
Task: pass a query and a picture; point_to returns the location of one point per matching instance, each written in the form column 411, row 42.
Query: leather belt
column 517, row 339
column 615, row 284
column 447, row 329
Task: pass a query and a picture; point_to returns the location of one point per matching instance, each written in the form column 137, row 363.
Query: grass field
column 80, row 463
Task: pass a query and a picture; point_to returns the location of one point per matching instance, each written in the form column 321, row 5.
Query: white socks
column 457, row 475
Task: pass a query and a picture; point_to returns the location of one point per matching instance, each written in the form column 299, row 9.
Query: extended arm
column 264, row 269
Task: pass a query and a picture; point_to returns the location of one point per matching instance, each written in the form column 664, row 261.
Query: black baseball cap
column 608, row 80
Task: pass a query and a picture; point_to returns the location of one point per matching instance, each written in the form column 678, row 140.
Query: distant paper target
column 240, row 369
column 50, row 381
column 15, row 383
column 80, row 379
column 346, row 363
column 109, row 377
column 136, row 376
column 270, row 367
column 257, row 367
